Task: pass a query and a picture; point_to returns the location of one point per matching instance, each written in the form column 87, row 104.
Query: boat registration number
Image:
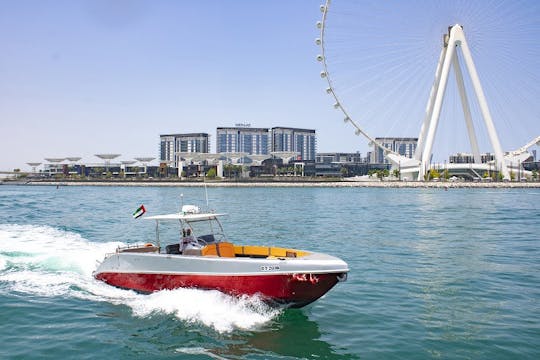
column 269, row 268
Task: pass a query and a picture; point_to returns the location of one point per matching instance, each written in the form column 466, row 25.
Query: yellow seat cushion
column 222, row 249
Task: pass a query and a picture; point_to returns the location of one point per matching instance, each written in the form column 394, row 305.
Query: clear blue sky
column 79, row 78
column 85, row 77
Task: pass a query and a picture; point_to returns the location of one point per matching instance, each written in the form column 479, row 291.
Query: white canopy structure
column 235, row 157
column 185, row 217
column 258, row 159
column 34, row 165
column 286, row 156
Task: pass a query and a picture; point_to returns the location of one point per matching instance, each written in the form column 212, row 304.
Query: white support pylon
column 429, row 136
column 456, row 38
column 466, row 111
column 429, row 107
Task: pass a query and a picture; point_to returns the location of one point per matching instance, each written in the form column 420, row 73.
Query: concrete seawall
column 373, row 184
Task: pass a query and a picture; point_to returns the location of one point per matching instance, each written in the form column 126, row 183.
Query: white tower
column 452, row 41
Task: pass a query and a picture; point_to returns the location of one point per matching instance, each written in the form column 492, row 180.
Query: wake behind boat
column 203, row 258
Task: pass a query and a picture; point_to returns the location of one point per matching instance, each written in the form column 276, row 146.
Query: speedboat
column 202, row 257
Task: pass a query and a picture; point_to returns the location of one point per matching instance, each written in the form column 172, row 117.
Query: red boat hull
column 293, row 290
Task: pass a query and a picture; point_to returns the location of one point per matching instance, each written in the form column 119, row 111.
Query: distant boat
column 361, row 178
column 204, row 259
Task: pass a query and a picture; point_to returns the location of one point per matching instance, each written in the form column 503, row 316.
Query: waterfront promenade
column 282, row 183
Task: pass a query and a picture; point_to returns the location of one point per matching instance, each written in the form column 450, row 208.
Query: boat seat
column 208, row 239
column 192, row 252
column 221, row 249
column 173, row 249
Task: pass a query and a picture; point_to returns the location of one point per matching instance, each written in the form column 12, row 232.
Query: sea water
column 433, row 274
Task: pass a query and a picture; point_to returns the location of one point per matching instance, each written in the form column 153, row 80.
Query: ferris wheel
column 383, row 61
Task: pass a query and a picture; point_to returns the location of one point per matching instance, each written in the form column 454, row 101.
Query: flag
column 139, row 212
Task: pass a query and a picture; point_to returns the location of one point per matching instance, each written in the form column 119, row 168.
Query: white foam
column 51, row 249
column 38, row 283
column 48, row 262
column 211, row 308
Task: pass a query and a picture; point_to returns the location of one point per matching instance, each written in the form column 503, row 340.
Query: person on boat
column 188, row 241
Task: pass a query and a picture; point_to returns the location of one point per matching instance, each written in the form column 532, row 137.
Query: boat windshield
column 203, row 227
column 206, row 232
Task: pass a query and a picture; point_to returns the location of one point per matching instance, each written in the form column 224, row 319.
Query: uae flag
column 139, row 212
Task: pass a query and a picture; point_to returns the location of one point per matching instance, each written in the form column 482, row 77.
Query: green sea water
column 434, row 274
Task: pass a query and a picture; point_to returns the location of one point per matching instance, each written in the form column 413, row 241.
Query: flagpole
column 205, row 191
column 157, row 234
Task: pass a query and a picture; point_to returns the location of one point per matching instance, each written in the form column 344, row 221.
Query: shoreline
column 321, row 184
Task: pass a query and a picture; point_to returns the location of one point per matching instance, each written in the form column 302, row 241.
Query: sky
column 85, row 77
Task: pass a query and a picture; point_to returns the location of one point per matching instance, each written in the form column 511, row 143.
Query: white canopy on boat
column 185, row 217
